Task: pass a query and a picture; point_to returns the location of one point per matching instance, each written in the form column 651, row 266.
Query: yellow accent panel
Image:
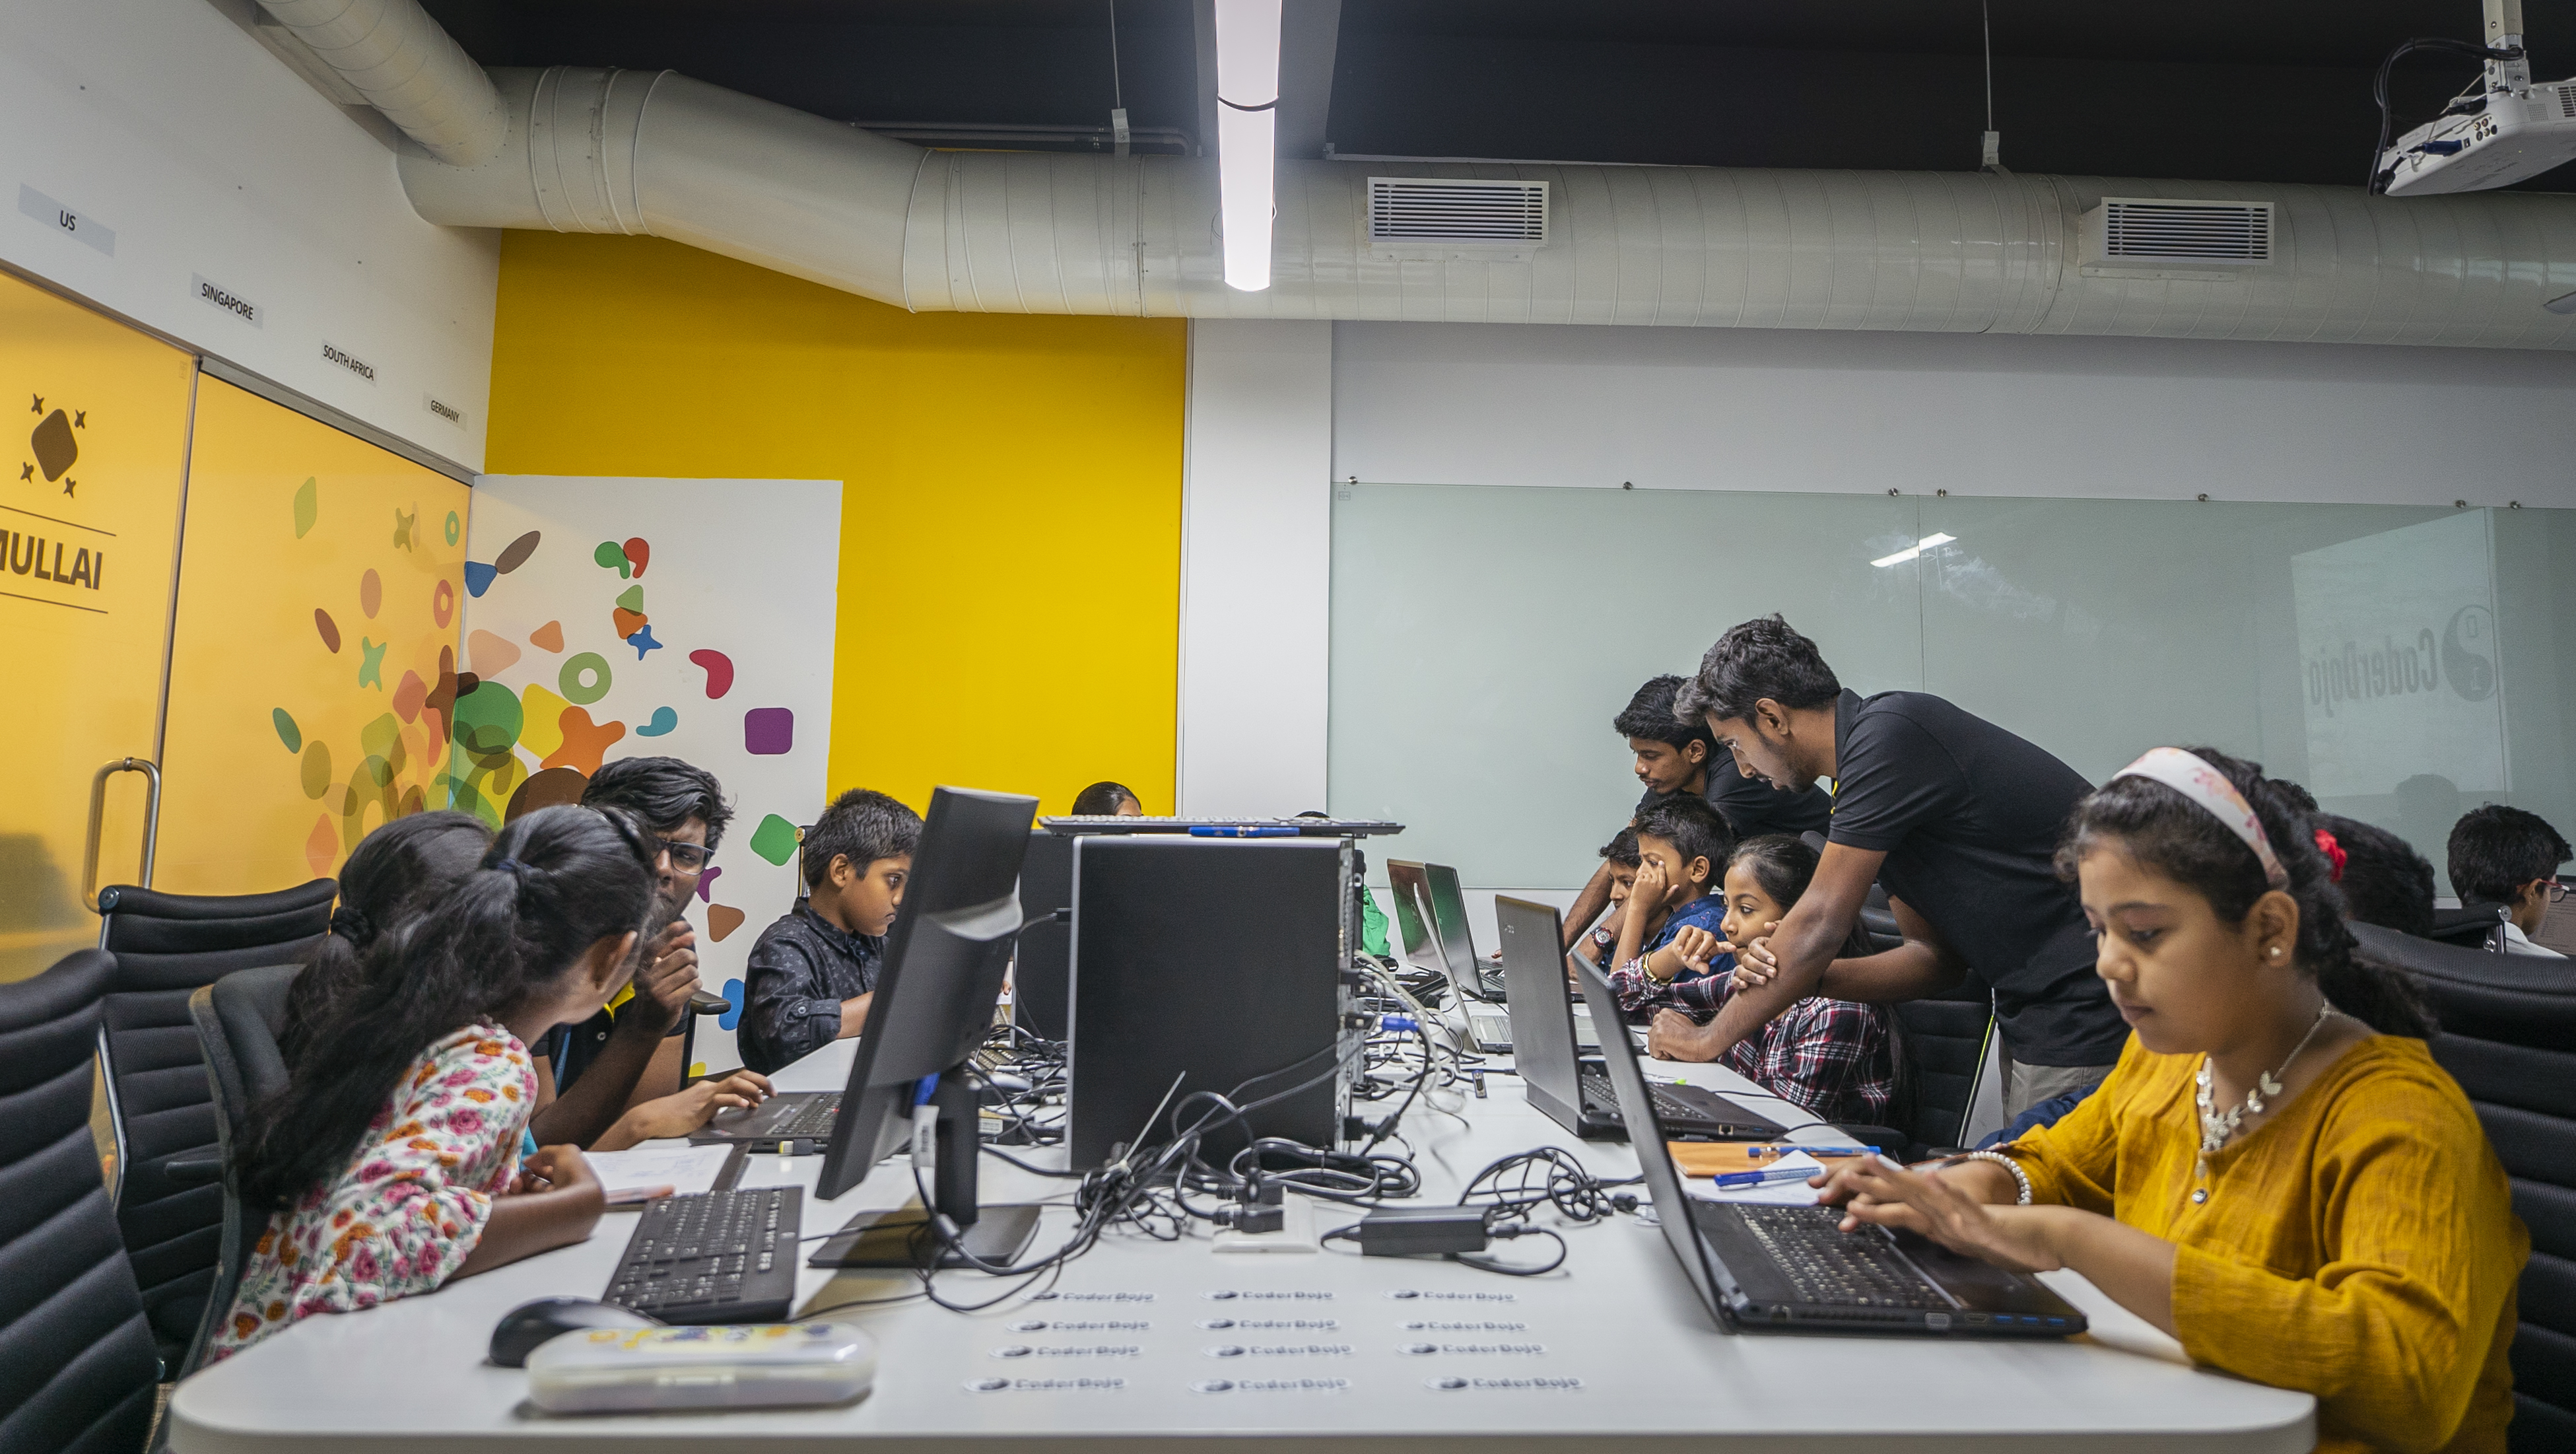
column 1011, row 506
column 241, row 812
column 93, row 433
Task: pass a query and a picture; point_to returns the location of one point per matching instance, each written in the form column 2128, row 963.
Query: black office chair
column 167, row 1204
column 238, row 1019
column 76, row 1355
column 2471, row 926
column 2508, row 1037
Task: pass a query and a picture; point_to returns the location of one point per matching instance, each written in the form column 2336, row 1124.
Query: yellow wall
column 288, row 740
column 1010, row 517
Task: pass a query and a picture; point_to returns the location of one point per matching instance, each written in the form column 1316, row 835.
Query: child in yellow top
column 2277, row 1173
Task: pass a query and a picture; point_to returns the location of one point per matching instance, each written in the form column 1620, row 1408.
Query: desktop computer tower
column 1040, row 974
column 1222, row 964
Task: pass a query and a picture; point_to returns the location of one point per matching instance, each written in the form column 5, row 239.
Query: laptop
column 1488, row 1029
column 1476, row 977
column 1550, row 1061
column 786, row 1116
column 1792, row 1270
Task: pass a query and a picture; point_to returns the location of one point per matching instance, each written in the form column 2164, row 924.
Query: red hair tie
column 2334, row 854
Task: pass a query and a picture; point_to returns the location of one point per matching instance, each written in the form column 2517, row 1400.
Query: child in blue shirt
column 1682, row 845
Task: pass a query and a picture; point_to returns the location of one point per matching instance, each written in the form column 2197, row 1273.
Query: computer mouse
column 524, row 1327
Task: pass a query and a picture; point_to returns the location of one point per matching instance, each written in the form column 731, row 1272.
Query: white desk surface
column 1655, row 1372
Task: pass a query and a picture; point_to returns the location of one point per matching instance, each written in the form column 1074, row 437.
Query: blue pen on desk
column 1739, row 1180
column 1761, row 1153
column 1243, row 830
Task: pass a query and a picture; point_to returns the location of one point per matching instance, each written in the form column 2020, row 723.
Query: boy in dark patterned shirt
column 814, row 971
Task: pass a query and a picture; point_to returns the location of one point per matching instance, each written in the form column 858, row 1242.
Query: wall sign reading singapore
column 215, row 295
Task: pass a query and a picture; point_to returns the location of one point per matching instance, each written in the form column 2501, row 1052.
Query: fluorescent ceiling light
column 1917, row 548
column 1247, row 135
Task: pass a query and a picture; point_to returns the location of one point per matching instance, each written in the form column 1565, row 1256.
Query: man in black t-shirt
column 1958, row 817
column 1674, row 757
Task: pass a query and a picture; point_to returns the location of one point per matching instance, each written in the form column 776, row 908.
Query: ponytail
column 2165, row 831
column 553, row 884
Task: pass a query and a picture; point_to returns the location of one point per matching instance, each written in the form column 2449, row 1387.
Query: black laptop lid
column 1654, row 1158
column 1534, row 983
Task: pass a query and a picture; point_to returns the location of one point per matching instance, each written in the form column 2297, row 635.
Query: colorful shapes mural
column 626, row 623
column 775, row 839
column 639, row 552
column 308, row 507
column 769, row 731
column 442, row 603
column 517, row 552
column 487, row 719
column 723, row 919
column 491, row 655
column 322, row 847
column 585, row 678
column 719, row 670
column 735, row 999
column 584, row 741
column 287, row 731
column 329, row 629
column 371, row 593
column 371, row 669
column 548, row 637
column 314, row 771
column 553, row 787
column 632, row 598
column 643, row 642
column 479, row 578
column 409, row 694
column 403, row 526
column 612, row 556
column 707, row 883
column 664, row 719
column 455, row 527
column 544, row 730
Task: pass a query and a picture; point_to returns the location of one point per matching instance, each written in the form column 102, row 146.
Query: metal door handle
column 98, row 818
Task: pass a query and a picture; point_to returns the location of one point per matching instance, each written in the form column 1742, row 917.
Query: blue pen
column 1759, row 1153
column 1738, row 1180
column 1255, row 830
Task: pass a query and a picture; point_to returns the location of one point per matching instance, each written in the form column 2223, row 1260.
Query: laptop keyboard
column 813, row 1119
column 1667, row 1107
column 1834, row 1268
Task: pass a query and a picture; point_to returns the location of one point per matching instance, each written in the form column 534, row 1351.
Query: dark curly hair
column 551, row 885
column 2178, row 838
column 661, row 793
column 1763, row 657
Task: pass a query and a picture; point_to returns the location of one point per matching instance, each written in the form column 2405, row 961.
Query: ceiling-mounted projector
column 2497, row 132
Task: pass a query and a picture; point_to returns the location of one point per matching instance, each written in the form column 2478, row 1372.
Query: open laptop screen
column 1412, row 894
column 1654, row 1158
column 1449, row 919
column 1542, row 1017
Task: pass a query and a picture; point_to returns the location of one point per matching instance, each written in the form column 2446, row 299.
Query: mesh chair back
column 76, row 1356
column 2508, row 1037
column 166, row 946
column 238, row 1019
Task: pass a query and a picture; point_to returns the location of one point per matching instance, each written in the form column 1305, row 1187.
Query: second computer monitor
column 944, row 962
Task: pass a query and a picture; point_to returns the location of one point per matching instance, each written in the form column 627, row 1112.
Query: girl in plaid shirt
column 1832, row 1057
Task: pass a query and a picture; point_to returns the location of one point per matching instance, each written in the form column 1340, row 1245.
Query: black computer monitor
column 1040, row 973
column 944, row 962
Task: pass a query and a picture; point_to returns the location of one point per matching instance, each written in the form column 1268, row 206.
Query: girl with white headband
column 2277, row 1174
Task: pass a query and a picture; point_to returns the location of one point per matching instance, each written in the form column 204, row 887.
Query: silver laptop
column 1488, row 1028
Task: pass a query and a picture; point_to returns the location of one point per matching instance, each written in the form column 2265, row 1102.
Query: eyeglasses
column 2558, row 889
column 686, row 857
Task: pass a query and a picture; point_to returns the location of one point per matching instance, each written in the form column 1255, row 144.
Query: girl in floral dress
column 391, row 1162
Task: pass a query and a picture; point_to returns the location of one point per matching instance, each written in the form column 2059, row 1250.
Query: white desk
column 1655, row 1373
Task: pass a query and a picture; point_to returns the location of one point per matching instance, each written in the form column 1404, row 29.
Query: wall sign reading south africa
column 349, row 361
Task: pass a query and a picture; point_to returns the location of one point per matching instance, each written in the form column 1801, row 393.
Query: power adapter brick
column 1422, row 1231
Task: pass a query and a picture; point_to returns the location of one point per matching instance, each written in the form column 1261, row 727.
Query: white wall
column 165, row 123
column 2104, row 418
column 1256, row 567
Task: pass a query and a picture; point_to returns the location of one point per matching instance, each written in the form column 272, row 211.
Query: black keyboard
column 1667, row 1108
column 713, row 1257
column 1834, row 1268
column 813, row 1119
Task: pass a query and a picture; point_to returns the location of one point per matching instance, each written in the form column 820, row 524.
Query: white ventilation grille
column 2566, row 101
column 1449, row 212
column 2154, row 231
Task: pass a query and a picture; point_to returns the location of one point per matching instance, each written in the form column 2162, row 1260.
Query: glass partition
column 2406, row 664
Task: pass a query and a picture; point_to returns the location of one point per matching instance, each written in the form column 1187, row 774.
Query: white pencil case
column 760, row 1365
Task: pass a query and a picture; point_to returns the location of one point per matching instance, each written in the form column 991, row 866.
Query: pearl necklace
column 2217, row 1129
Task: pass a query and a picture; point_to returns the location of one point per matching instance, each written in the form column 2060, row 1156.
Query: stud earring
column 2276, row 951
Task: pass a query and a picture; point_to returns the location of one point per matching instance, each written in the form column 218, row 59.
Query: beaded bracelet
column 2020, row 1177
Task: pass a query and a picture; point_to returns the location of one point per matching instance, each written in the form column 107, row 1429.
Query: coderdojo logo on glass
column 2463, row 654
column 51, row 558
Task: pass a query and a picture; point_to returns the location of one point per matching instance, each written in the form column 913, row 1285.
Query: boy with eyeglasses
column 590, row 1074
column 2509, row 858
